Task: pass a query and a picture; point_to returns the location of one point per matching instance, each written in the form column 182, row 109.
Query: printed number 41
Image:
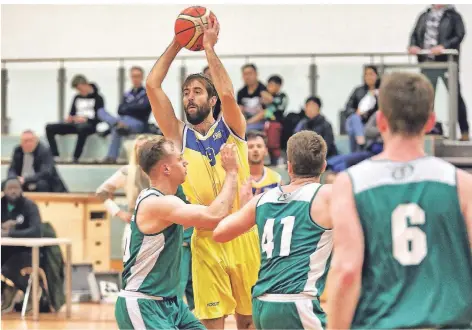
column 267, row 243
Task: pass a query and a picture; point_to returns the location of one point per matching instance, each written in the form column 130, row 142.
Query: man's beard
column 255, row 162
column 13, row 199
column 200, row 115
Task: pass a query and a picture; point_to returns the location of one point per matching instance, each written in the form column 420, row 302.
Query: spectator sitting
column 373, row 146
column 249, row 99
column 133, row 113
column 217, row 107
column 82, row 118
column 274, row 113
column 315, row 121
column 20, row 218
column 361, row 106
column 33, row 164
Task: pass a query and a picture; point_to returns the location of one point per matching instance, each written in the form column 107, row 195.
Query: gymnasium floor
column 84, row 316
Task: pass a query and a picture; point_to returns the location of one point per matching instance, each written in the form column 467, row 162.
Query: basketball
column 188, row 27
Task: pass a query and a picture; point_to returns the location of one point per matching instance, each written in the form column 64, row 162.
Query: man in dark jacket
column 20, row 218
column 440, row 27
column 316, row 122
column 33, row 164
column 133, row 113
column 82, row 118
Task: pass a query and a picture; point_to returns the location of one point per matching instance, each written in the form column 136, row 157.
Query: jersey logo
column 403, row 171
column 213, row 304
column 284, row 197
column 217, row 135
column 20, row 219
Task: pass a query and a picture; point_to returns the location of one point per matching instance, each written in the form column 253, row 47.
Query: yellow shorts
column 224, row 273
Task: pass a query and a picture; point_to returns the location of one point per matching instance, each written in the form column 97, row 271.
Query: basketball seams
column 196, row 18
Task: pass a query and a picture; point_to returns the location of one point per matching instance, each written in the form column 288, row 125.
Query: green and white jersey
column 295, row 251
column 152, row 262
column 417, row 270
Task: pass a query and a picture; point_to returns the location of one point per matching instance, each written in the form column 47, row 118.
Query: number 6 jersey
column 295, row 251
column 417, row 268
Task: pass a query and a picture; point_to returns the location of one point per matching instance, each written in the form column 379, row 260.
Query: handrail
column 198, row 56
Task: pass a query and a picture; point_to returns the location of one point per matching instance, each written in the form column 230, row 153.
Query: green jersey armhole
column 309, row 210
column 136, row 215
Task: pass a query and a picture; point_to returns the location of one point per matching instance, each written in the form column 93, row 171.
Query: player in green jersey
column 403, row 226
column 295, row 235
column 151, row 297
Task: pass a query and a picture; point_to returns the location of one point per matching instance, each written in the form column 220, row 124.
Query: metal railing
column 378, row 59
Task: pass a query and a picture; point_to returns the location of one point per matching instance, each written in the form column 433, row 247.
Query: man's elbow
column 349, row 273
column 220, row 236
column 152, row 84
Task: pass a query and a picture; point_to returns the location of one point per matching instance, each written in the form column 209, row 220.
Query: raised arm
column 162, row 109
column 172, row 209
column 237, row 223
column 230, row 109
column 346, row 267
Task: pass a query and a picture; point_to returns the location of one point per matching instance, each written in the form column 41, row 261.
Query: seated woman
column 361, row 106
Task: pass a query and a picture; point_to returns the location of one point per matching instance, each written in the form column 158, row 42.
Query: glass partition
column 32, row 88
column 31, row 96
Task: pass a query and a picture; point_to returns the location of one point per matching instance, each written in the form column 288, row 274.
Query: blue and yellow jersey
column 205, row 175
column 270, row 179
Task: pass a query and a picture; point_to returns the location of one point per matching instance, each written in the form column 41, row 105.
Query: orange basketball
column 188, row 27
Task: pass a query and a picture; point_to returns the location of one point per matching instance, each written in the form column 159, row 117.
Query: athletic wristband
column 112, row 207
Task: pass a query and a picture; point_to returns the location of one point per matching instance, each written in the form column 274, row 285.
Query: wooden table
column 35, row 244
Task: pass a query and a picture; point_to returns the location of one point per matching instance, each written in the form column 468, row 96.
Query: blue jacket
column 135, row 104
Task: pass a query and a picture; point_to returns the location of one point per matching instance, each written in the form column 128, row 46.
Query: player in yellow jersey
column 223, row 274
column 263, row 178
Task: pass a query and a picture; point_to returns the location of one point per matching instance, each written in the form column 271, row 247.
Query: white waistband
column 140, row 295
column 285, row 297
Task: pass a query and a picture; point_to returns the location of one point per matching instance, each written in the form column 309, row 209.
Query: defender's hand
column 229, row 158
column 210, row 33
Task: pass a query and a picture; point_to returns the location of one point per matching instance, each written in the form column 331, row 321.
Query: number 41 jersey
column 295, row 251
column 417, row 268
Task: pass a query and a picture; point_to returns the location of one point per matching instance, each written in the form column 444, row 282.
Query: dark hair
column 276, row 79
column 210, row 88
column 315, row 99
column 373, row 68
column 306, row 152
column 255, row 134
column 135, row 67
column 151, row 152
column 406, row 100
column 78, row 80
column 205, row 68
column 249, row 65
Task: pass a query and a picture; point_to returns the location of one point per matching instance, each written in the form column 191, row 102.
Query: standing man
column 153, row 250
column 441, row 27
column 294, row 226
column 223, row 274
column 402, row 226
column 263, row 178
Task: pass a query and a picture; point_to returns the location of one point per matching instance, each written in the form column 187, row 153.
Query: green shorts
column 297, row 314
column 137, row 313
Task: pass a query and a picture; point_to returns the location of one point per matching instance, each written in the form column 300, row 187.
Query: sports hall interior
column 320, row 52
